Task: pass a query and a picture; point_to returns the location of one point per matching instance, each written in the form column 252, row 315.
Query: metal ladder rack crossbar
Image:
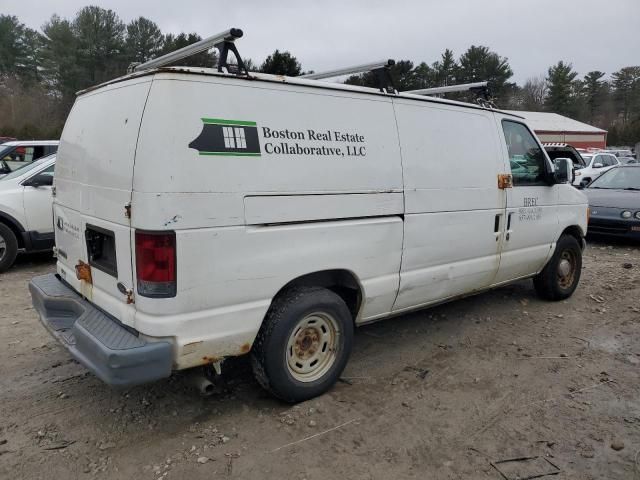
column 223, row 41
column 464, row 87
column 381, row 69
column 481, row 89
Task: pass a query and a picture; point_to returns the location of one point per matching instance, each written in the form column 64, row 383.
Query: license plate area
column 101, row 249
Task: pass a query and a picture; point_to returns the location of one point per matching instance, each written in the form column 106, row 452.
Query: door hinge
column 127, row 210
column 53, row 191
column 505, row 180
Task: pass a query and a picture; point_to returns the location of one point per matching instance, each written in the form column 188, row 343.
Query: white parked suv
column 25, row 210
column 16, row 154
column 595, row 165
column 201, row 215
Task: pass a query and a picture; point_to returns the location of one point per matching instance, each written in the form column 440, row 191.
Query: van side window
column 525, row 155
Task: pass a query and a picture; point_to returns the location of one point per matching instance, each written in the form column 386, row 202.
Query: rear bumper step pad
column 117, row 356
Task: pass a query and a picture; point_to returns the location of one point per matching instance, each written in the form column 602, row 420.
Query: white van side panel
column 174, row 117
column 227, row 278
column 249, row 222
column 280, row 209
column 451, row 160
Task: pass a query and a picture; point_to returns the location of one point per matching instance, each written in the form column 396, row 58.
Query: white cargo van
column 202, row 215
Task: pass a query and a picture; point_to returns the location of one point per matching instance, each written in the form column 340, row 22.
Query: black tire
column 271, row 354
column 551, row 283
column 8, row 247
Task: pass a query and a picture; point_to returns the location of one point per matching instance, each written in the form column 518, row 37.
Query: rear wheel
column 304, row 343
column 559, row 278
column 8, row 247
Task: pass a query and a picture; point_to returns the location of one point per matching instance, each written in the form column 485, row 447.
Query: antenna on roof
column 381, row 69
column 481, row 89
column 223, row 41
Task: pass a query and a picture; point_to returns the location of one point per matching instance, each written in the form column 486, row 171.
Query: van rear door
column 93, row 182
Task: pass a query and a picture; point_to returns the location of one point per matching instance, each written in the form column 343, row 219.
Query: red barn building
column 551, row 127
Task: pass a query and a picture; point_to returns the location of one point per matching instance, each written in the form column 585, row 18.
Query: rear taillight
column 156, row 264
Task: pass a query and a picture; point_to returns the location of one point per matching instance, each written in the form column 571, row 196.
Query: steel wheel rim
column 567, row 269
column 313, row 346
column 3, row 247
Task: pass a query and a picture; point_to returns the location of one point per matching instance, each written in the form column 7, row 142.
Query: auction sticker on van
column 241, row 138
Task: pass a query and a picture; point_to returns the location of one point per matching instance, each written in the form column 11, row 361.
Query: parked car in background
column 16, row 154
column 6, row 139
column 26, row 222
column 628, row 160
column 564, row 150
column 620, row 153
column 595, row 165
column 614, row 201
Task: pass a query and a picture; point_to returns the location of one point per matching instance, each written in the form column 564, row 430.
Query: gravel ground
column 448, row 392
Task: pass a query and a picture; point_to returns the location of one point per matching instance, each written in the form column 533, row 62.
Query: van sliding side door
column 454, row 210
column 532, row 214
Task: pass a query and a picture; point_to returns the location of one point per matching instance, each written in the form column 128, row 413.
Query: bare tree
column 534, row 93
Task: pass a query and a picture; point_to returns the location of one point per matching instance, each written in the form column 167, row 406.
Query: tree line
column 40, row 72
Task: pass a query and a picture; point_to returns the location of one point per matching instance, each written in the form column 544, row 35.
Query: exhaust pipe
column 202, row 384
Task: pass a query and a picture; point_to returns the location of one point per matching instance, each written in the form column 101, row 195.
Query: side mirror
column 597, row 165
column 39, row 180
column 563, row 170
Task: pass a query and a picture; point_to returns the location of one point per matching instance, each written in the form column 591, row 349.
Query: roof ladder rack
column 481, row 89
column 223, row 41
column 380, row 69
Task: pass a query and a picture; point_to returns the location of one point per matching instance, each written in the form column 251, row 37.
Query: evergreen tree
column 144, row 40
column 281, row 63
column 626, row 85
column 20, row 49
column 172, row 43
column 479, row 64
column 561, row 88
column 60, row 59
column 593, row 90
column 445, row 70
column 100, row 37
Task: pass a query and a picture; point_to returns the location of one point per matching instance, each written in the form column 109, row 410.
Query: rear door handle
column 508, row 235
column 496, row 226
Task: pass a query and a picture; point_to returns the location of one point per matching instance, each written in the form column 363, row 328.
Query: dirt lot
column 440, row 393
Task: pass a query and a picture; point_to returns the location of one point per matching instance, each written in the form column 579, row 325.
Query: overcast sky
column 533, row 34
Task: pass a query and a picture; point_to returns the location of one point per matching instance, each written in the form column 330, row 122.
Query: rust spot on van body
column 206, row 359
column 83, row 272
column 245, row 348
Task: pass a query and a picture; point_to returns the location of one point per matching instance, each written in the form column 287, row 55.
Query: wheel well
column 15, row 229
column 342, row 282
column 575, row 232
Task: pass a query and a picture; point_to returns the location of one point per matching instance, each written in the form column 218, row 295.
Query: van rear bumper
column 113, row 353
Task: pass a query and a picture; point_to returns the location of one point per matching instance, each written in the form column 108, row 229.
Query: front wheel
column 8, row 247
column 304, row 343
column 559, row 278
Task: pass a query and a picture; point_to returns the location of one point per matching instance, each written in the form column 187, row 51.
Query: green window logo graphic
column 227, row 138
